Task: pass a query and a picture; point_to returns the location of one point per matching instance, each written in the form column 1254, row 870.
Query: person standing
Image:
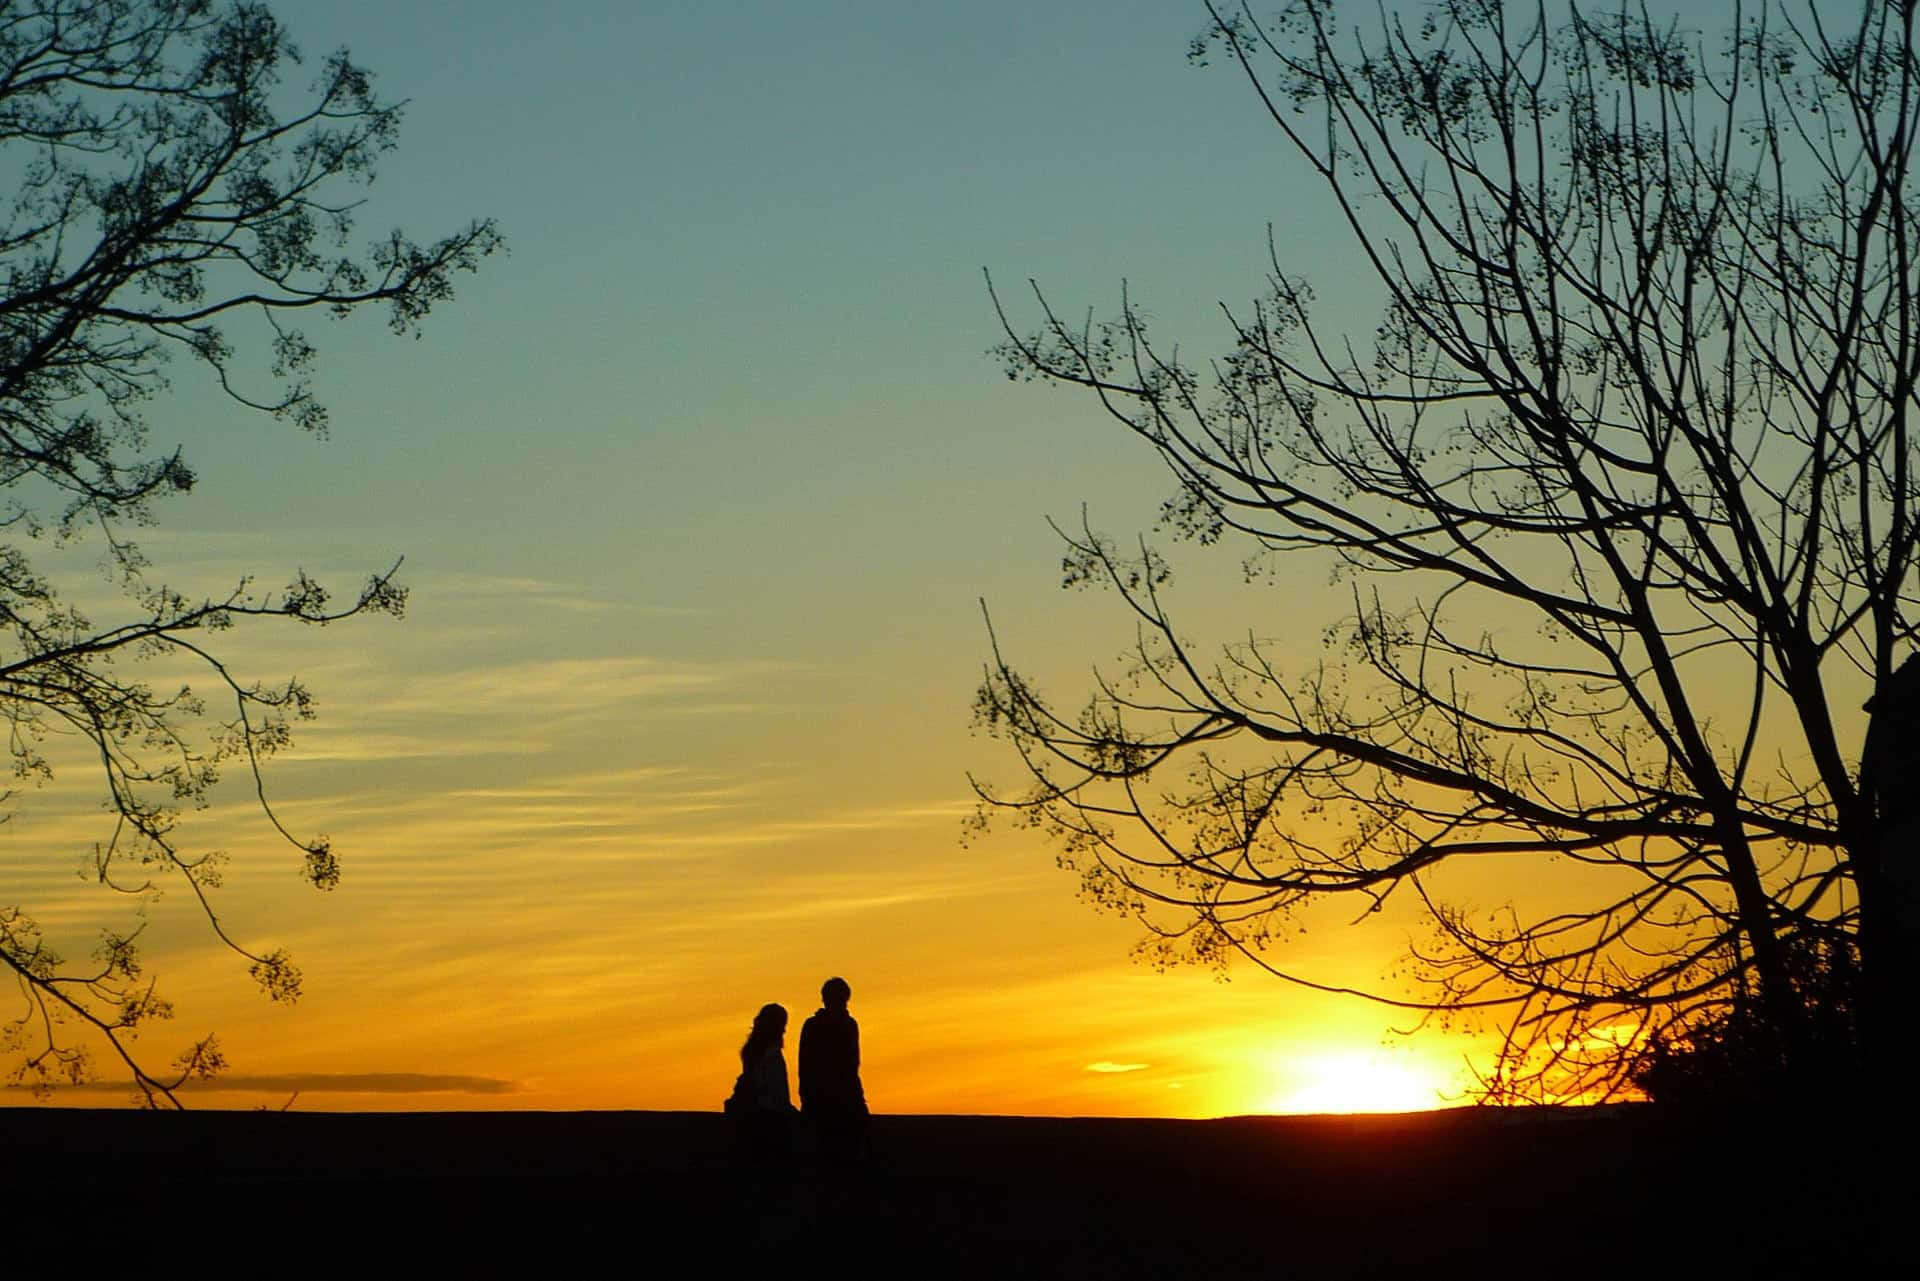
column 831, row 1097
column 760, row 1105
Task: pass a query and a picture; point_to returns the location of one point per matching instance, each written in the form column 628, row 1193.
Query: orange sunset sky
column 699, row 491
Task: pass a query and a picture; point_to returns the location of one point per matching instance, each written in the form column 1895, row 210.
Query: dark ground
column 1618, row 1193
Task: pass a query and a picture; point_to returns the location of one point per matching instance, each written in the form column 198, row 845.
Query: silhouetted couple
column 831, row 1099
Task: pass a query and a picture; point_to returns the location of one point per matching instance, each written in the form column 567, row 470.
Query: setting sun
column 1360, row 1082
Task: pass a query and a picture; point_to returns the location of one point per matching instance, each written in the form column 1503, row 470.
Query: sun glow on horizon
column 1357, row 1082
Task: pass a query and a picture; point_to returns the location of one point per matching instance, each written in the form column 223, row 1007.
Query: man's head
column 834, row 994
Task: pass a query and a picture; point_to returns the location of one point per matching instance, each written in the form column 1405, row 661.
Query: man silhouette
column 830, row 1095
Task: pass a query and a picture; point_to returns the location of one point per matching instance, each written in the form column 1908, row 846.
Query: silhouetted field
column 1599, row 1193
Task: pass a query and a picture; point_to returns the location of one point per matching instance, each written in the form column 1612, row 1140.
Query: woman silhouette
column 760, row 1106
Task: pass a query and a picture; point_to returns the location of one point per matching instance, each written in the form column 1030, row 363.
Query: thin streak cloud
column 331, row 1083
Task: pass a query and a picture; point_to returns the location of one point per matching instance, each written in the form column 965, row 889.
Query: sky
column 700, row 490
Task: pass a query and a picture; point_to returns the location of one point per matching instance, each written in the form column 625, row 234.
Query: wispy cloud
column 325, row 744
column 871, row 819
column 333, row 1083
column 568, row 683
column 1107, row 1065
column 549, row 593
column 205, row 561
column 385, row 710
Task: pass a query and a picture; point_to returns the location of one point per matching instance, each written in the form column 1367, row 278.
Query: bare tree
column 1622, row 495
column 170, row 195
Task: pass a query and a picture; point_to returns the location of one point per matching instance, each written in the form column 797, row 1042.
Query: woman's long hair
column 769, row 1029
